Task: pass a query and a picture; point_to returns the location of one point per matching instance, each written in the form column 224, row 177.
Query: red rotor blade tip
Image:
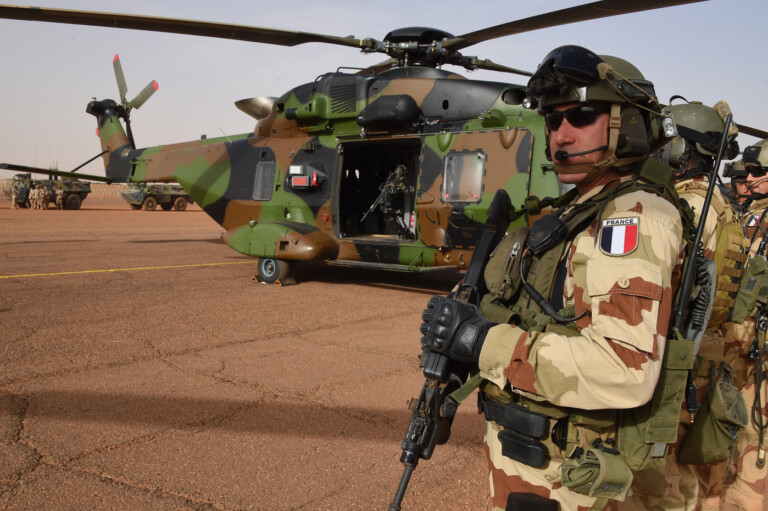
column 117, row 57
column 155, row 85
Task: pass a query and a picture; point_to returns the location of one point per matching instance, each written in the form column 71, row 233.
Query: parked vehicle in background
column 149, row 195
column 75, row 191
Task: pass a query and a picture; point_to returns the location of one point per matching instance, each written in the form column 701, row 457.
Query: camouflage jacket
column 622, row 274
column 751, row 220
column 692, row 191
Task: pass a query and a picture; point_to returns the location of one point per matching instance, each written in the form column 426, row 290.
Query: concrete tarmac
column 140, row 368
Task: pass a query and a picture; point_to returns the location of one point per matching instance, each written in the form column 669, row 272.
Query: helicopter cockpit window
column 264, row 180
column 463, row 176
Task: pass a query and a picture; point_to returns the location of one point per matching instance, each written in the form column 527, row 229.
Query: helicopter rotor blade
column 144, row 95
column 378, row 68
column 179, row 26
column 475, row 63
column 121, row 86
column 755, row 132
column 591, row 11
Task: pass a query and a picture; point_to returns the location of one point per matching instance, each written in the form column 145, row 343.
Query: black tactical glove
column 455, row 329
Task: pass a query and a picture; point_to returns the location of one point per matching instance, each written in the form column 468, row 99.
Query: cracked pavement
column 177, row 383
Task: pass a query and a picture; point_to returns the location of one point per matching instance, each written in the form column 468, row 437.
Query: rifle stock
column 434, row 410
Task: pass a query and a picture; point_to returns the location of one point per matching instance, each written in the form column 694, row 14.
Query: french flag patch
column 618, row 236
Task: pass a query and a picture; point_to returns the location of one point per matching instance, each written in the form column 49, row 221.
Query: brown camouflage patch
column 626, row 307
column 631, row 358
column 582, row 306
column 520, row 372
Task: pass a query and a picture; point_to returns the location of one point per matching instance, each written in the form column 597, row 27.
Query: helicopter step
column 388, row 266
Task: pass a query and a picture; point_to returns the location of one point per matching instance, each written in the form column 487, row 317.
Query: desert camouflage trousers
column 510, row 476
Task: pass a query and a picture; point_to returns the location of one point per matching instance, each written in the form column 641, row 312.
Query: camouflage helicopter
column 391, row 167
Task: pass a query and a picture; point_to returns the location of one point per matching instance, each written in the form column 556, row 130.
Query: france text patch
column 618, row 236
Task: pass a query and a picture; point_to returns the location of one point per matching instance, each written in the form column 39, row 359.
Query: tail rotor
column 136, row 102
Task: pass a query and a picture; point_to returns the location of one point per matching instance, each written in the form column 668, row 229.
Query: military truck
column 75, row 191
column 149, row 195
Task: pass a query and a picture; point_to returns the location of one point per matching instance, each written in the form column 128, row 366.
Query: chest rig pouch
column 753, row 288
column 523, row 269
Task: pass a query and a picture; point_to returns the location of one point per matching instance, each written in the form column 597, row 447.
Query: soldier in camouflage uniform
column 33, row 197
column 692, row 155
column 39, row 196
column 739, row 189
column 746, row 482
column 46, row 197
column 59, row 198
column 14, row 197
column 553, row 384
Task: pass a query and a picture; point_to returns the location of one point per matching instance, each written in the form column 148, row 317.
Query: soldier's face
column 574, row 139
column 742, row 188
column 757, row 184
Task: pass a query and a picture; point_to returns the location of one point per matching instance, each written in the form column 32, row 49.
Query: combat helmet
column 573, row 74
column 699, row 133
column 756, row 158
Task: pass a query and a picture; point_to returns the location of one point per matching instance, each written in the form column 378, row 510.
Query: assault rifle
column 434, row 410
column 698, row 313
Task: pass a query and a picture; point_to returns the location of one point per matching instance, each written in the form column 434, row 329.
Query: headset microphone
column 562, row 155
column 749, row 187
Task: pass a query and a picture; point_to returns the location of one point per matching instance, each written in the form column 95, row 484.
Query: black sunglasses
column 757, row 170
column 582, row 115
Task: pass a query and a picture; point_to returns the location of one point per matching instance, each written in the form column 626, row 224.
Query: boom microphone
column 749, row 187
column 562, row 155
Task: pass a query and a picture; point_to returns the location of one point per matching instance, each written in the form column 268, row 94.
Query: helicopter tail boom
column 114, row 140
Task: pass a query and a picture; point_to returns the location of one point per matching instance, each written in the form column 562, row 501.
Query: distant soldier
column 59, row 198
column 33, row 196
column 46, row 197
column 14, row 197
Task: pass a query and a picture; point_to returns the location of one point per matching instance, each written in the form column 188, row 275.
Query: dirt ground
column 140, row 368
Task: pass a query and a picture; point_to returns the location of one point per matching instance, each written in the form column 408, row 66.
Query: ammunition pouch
column 645, row 432
column 597, row 472
column 522, row 431
column 530, row 501
column 712, row 437
column 502, row 276
column 522, row 448
column 517, row 418
column 753, row 288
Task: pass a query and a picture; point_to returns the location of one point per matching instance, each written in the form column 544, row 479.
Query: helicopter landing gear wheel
column 150, row 203
column 272, row 270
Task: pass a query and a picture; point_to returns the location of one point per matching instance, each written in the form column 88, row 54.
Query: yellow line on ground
column 119, row 269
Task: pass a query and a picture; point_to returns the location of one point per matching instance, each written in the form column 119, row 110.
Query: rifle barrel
column 395, row 505
column 687, row 282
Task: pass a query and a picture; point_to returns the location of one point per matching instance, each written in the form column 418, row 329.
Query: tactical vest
column 731, row 252
column 642, row 434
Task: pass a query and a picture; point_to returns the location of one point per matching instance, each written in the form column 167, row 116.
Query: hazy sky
column 706, row 51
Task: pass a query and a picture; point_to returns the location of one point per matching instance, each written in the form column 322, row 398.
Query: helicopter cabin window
column 463, row 176
column 264, row 180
